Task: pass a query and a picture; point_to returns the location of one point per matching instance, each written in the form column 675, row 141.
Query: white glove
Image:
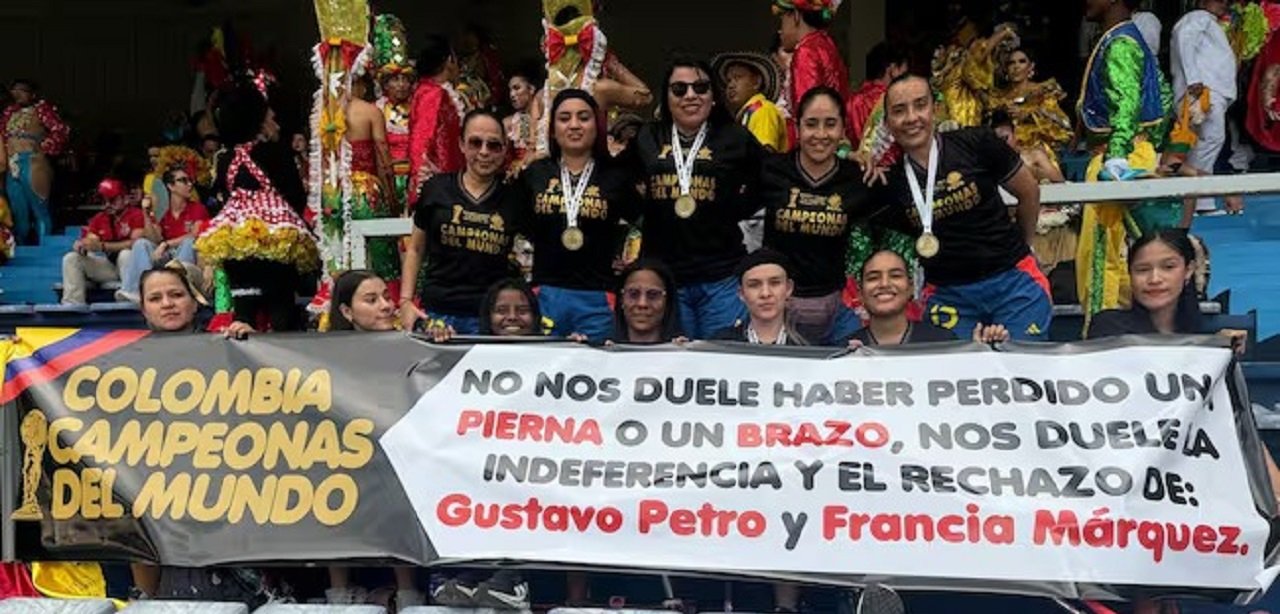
column 1116, row 169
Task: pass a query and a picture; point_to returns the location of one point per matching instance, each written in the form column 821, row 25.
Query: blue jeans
column 823, row 320
column 140, row 260
column 1017, row 298
column 708, row 308
column 588, row 312
column 27, row 206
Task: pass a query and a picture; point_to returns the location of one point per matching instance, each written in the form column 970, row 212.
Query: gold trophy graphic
column 35, row 433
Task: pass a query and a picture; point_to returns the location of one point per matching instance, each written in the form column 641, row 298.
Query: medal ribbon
column 572, row 195
column 924, row 202
column 684, row 163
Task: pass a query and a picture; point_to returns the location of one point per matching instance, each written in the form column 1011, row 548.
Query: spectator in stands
column 811, row 197
column 103, row 243
column 751, row 84
column 646, row 312
column 764, row 286
column 1161, row 267
column 978, row 259
column 888, row 288
column 466, row 223
column 172, row 237
column 700, row 174
column 361, row 302
column 574, row 204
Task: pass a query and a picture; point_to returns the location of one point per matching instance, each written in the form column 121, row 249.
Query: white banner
column 1117, row 466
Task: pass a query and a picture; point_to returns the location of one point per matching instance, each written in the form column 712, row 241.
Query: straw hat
column 763, row 65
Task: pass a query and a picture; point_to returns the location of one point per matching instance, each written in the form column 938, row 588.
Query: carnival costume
column 390, row 54
column 1123, row 106
column 43, row 135
column 964, row 73
column 1264, row 86
column 816, row 60
column 435, row 132
column 1038, row 121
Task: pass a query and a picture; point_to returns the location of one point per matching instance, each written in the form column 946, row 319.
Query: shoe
column 454, row 594
column 880, row 599
column 502, row 592
column 127, row 297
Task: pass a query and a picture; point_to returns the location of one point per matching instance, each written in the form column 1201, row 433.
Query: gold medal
column 572, row 238
column 927, row 245
column 686, row 206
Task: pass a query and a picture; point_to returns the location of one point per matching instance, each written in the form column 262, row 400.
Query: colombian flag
column 37, row 355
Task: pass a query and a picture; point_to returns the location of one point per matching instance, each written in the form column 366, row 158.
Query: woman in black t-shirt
column 646, row 312
column 575, row 202
column 1161, row 270
column 811, row 198
column 700, row 171
column 465, row 222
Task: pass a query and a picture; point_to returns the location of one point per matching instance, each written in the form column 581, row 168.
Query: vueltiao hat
column 770, row 81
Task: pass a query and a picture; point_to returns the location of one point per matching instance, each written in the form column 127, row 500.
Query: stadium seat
column 296, row 608
column 185, row 607
column 435, row 609
column 25, row 605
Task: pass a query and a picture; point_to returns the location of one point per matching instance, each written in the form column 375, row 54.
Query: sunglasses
column 183, row 180
column 477, row 143
column 652, row 295
column 680, row 88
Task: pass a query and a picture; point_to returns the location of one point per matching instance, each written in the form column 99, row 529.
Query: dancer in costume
column 435, row 121
column 396, row 75
column 576, row 202
column 1038, row 122
column 33, row 133
column 815, row 60
column 1123, row 104
column 371, row 177
column 884, row 63
column 964, row 72
column 259, row 238
column 1263, row 111
column 480, row 68
column 521, row 125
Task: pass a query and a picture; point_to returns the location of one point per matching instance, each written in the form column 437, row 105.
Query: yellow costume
column 964, row 73
column 1038, row 121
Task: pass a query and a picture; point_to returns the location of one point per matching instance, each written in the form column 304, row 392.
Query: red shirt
column 117, row 227
column 861, row 104
column 816, row 61
column 174, row 227
column 435, row 132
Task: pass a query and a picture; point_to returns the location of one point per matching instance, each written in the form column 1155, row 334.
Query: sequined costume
column 1264, row 87
column 391, row 58
column 435, row 133
column 369, row 202
column 32, row 135
column 862, row 105
column 964, row 73
column 1038, row 121
column 816, row 62
column 1123, row 106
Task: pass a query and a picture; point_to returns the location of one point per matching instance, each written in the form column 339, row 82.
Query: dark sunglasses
column 477, row 143
column 652, row 295
column 186, row 180
column 680, row 88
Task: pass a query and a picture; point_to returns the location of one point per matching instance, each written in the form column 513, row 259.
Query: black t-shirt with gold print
column 610, row 198
column 707, row 246
column 468, row 243
column 809, row 219
column 978, row 239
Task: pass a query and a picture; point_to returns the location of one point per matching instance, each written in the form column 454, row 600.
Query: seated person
column 170, row 237
column 887, row 290
column 103, row 243
column 509, row 309
column 764, row 286
column 646, row 312
column 1161, row 270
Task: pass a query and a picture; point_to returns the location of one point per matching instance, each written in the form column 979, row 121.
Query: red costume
column 56, row 132
column 435, row 133
column 1257, row 122
column 816, row 62
column 861, row 105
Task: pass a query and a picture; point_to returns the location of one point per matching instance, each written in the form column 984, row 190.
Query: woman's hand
column 441, row 333
column 161, row 251
column 238, row 330
column 1239, row 339
column 409, row 315
column 990, row 334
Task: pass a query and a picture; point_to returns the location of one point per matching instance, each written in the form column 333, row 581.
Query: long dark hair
column 344, row 291
column 816, row 92
column 719, row 112
column 490, row 302
column 670, row 317
column 599, row 148
column 240, row 112
column 1187, row 318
